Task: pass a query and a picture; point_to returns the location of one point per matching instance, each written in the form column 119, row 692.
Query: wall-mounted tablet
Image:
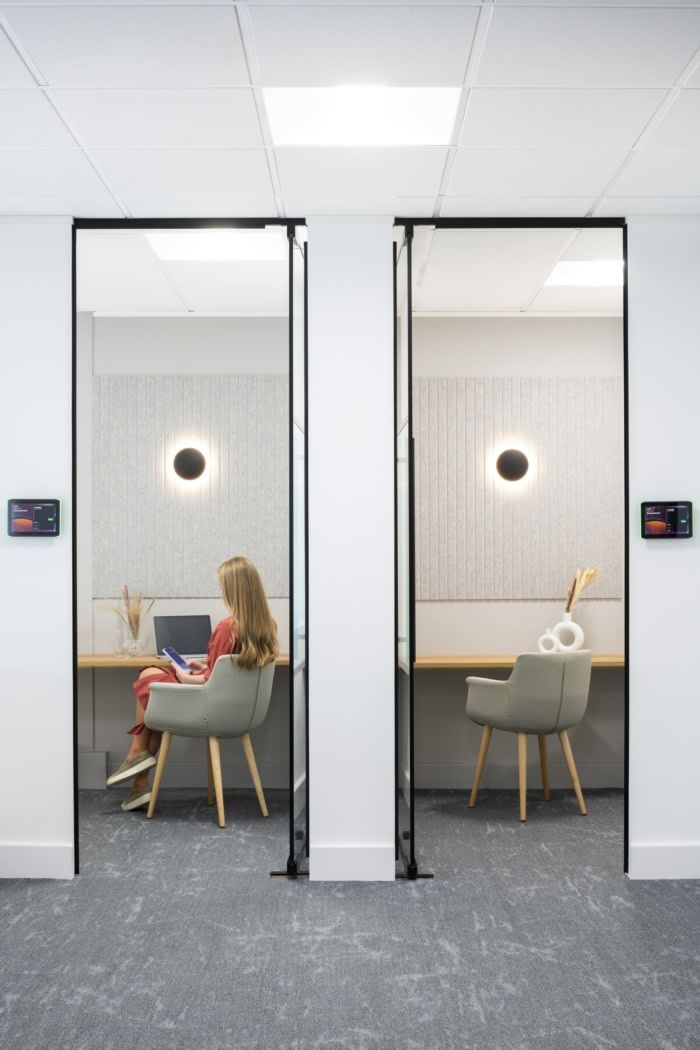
column 664, row 521
column 33, row 517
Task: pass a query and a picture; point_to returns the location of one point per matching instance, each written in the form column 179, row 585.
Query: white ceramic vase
column 547, row 642
column 568, row 634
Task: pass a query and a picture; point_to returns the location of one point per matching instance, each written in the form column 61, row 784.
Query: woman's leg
column 140, row 741
column 147, row 740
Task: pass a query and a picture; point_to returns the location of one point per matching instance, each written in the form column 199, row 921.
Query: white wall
column 191, row 345
column 533, row 347
column 351, row 549
column 36, row 750
column 664, row 381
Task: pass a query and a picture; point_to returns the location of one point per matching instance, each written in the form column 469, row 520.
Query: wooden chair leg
column 160, row 769
column 522, row 773
column 210, row 779
column 215, row 755
column 542, row 741
column 253, row 767
column 480, row 763
column 569, row 756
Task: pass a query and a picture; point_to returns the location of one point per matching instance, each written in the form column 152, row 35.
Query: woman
column 249, row 631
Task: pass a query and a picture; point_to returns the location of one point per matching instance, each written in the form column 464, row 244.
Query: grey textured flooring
column 176, row 938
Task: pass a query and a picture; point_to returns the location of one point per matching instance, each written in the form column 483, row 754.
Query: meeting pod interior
column 511, row 473
column 189, row 453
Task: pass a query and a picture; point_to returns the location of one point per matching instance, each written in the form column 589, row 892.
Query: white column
column 351, row 549
column 664, row 381
column 36, row 742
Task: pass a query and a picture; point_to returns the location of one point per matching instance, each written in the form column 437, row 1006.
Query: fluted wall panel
column 478, row 537
column 165, row 536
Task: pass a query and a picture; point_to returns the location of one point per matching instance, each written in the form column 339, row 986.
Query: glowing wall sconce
column 512, row 464
column 189, row 463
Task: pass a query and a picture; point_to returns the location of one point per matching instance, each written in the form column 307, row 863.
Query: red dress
column 224, row 640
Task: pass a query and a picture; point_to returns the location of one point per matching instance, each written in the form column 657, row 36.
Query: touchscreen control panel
column 33, row 517
column 667, row 520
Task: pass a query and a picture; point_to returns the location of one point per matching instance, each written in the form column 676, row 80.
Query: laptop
column 188, row 634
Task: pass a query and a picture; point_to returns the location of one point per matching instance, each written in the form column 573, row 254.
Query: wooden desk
column 442, row 663
column 99, row 661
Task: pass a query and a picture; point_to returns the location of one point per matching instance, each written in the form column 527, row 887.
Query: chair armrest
column 487, row 700
column 486, row 683
column 177, row 708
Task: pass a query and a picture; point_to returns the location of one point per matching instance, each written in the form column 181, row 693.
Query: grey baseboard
column 460, row 775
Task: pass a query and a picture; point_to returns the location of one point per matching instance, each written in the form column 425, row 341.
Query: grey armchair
column 231, row 704
column 546, row 693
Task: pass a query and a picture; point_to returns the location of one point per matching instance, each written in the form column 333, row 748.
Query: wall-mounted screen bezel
column 668, row 508
column 44, row 507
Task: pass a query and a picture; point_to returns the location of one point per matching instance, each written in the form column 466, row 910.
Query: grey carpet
column 175, row 938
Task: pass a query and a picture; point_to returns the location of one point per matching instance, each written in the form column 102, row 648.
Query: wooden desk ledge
column 114, row 660
column 435, row 663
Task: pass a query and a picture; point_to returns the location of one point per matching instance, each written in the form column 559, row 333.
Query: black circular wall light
column 512, row 464
column 189, row 463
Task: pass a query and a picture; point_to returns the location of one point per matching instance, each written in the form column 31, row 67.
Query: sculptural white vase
column 568, row 634
column 547, row 642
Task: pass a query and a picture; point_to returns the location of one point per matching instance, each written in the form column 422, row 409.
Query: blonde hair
column 244, row 595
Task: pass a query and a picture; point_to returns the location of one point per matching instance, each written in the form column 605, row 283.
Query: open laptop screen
column 188, row 634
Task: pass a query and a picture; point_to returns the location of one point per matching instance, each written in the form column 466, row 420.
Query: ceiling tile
column 48, row 173
column 416, row 207
column 117, row 272
column 181, row 172
column 154, row 118
column 372, row 44
column 680, row 126
column 485, row 270
column 578, row 300
column 234, row 287
column 624, row 206
column 81, row 207
column 406, row 172
column 661, row 173
column 13, row 72
column 28, row 119
column 595, row 244
column 551, row 118
column 515, row 207
column 133, row 46
column 586, row 46
column 526, row 247
column 201, row 206
column 541, row 173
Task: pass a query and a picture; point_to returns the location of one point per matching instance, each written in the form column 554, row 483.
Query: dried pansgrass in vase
column 579, row 583
column 130, row 612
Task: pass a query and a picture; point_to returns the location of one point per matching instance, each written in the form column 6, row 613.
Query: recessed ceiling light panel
column 361, row 116
column 219, row 245
column 594, row 273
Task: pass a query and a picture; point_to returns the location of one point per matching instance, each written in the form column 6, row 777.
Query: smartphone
column 175, row 658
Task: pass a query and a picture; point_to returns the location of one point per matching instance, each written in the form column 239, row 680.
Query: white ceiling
column 456, row 272
column 112, row 109
column 119, row 273
column 503, row 272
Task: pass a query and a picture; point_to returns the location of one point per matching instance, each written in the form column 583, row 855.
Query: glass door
column 404, row 610
column 297, row 861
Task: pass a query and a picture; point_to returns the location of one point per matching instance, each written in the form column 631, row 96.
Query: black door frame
column 464, row 223
column 181, row 224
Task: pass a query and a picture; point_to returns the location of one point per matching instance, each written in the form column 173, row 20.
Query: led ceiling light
column 594, row 273
column 219, row 245
column 361, row 116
